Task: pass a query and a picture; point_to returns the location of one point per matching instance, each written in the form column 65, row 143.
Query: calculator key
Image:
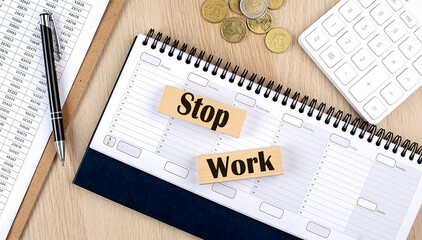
column 316, row 39
column 395, row 31
column 418, row 65
column 409, row 19
column 408, row 79
column 368, row 84
column 410, row 47
column 374, row 108
column 393, row 62
column 333, row 25
column 418, row 34
column 381, row 13
column 350, row 11
column 364, row 28
column 362, row 59
column 391, row 93
column 345, row 73
column 379, row 44
column 395, row 4
column 366, row 3
column 331, row 56
column 348, row 42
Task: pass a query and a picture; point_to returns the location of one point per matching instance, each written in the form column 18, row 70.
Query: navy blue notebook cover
column 166, row 202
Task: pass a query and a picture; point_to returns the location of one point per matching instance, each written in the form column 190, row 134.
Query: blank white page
column 335, row 185
column 25, row 124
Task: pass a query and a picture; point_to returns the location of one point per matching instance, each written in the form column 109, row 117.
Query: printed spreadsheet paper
column 25, row 124
column 335, row 185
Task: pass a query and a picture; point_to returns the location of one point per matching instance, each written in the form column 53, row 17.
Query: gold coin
column 254, row 7
column 275, row 4
column 214, row 11
column 235, row 6
column 262, row 24
column 234, row 29
column 278, row 40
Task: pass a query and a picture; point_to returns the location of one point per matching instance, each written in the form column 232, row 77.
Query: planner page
column 335, row 185
column 25, row 123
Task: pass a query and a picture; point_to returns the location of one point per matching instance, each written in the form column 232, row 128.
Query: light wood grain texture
column 78, row 88
column 64, row 211
column 224, row 118
column 231, row 166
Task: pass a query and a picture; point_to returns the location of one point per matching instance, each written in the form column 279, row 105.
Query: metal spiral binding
column 234, row 74
column 149, row 34
column 258, row 89
column 356, row 124
column 251, row 82
column 338, row 117
column 286, row 96
column 346, row 121
column 207, row 63
column 295, row 99
column 191, row 53
column 217, row 66
column 372, row 130
column 380, row 134
column 243, row 77
column 269, row 88
column 182, row 50
column 156, row 40
column 173, row 47
column 277, row 92
column 303, row 104
column 320, row 109
column 199, row 59
column 364, row 127
column 165, row 43
column 225, row 70
column 312, row 106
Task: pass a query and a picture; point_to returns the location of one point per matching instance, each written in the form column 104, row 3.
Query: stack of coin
column 258, row 19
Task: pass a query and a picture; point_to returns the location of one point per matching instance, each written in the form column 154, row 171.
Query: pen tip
column 60, row 151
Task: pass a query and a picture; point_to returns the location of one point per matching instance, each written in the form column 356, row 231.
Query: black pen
column 52, row 83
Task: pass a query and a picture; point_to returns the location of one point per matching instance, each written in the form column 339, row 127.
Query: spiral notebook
column 343, row 178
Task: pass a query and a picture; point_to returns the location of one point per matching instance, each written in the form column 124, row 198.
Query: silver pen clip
column 57, row 38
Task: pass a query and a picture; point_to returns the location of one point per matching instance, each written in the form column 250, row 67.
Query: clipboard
column 75, row 94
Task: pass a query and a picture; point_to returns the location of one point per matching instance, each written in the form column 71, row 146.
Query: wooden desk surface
column 64, row 211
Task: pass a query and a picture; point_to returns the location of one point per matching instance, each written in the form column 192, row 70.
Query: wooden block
column 238, row 165
column 202, row 111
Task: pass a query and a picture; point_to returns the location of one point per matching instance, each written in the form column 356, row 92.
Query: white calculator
column 371, row 51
